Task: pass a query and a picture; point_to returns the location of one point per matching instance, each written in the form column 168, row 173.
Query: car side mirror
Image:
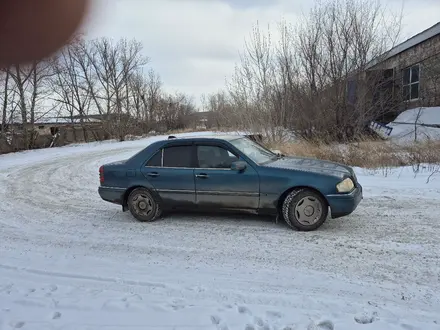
column 238, row 166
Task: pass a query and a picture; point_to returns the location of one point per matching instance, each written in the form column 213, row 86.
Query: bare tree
column 147, row 92
column 31, row 88
column 221, row 110
column 152, row 97
column 89, row 80
column 336, row 43
column 175, row 111
column 108, row 78
column 8, row 101
column 302, row 82
column 71, row 93
column 4, row 83
column 255, row 90
column 114, row 66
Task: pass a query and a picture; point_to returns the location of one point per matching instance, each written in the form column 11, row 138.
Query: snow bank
column 409, row 125
column 429, row 115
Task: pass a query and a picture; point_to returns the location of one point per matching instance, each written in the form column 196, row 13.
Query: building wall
column 45, row 129
column 427, row 56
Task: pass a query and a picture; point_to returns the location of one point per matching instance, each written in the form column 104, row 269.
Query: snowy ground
column 70, row 261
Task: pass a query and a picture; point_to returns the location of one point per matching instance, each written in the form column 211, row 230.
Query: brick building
column 407, row 76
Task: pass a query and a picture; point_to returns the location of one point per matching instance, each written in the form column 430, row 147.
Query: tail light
column 101, row 174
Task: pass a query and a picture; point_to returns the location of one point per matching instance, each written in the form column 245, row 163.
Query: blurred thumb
column 34, row 29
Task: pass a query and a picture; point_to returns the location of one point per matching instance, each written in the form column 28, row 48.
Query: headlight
column 346, row 185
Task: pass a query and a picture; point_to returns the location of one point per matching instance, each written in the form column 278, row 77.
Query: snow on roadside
column 423, row 115
column 409, row 125
column 70, row 261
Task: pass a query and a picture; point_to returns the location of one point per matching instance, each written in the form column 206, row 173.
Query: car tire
column 304, row 209
column 143, row 206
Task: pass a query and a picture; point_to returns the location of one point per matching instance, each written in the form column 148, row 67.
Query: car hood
column 312, row 165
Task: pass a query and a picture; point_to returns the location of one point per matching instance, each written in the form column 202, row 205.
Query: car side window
column 178, row 156
column 156, row 160
column 214, row 157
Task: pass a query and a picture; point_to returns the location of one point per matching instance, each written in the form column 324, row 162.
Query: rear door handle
column 153, row 174
column 202, row 176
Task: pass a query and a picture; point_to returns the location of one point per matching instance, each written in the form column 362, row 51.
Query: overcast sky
column 194, row 44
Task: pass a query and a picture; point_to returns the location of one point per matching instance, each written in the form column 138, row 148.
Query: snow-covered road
column 72, row 261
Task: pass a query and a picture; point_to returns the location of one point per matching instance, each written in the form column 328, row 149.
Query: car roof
column 226, row 137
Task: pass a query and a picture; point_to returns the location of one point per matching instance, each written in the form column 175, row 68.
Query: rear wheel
column 143, row 206
column 304, row 209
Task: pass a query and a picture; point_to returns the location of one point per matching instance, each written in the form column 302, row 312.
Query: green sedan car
column 229, row 173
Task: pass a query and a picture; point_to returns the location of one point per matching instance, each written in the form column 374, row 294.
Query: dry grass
column 367, row 154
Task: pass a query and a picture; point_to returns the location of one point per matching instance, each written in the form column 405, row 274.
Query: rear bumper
column 344, row 204
column 112, row 194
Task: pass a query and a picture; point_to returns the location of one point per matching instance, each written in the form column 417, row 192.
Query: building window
column 411, row 83
column 351, row 91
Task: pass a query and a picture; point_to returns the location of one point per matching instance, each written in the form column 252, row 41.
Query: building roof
column 63, row 120
column 50, row 119
column 409, row 43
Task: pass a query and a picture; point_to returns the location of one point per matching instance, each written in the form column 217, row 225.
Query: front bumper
column 113, row 195
column 344, row 204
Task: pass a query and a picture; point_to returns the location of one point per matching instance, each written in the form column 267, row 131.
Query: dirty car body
column 232, row 173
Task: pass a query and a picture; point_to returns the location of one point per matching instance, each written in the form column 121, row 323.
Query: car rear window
column 179, row 156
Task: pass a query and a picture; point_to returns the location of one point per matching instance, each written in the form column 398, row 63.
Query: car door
column 218, row 186
column 171, row 172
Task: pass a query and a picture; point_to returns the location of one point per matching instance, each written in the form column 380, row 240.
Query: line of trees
column 316, row 81
column 309, row 82
column 100, row 77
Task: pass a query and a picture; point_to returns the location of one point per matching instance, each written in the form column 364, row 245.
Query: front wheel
column 304, row 209
column 143, row 206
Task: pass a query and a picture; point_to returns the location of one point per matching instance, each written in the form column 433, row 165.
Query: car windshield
column 253, row 150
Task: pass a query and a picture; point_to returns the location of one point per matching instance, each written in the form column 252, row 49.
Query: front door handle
column 202, row 176
column 153, row 174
